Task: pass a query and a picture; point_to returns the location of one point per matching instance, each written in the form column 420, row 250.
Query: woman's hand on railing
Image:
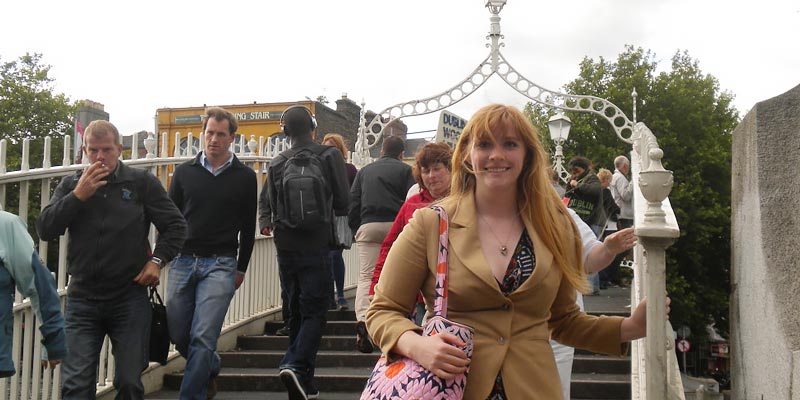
column 635, row 326
column 620, row 241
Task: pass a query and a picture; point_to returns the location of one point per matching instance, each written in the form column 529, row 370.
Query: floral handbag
column 404, row 378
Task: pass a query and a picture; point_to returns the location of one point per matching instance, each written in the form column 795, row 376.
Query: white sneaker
column 293, row 386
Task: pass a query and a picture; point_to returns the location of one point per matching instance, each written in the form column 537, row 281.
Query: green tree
column 692, row 119
column 30, row 108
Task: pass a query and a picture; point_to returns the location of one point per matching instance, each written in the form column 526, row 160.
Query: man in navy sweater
column 217, row 195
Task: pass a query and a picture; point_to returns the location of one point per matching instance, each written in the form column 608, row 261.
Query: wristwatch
column 157, row 261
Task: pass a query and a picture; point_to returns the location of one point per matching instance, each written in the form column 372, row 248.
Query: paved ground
column 613, row 300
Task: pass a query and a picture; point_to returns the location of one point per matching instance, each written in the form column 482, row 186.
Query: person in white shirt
column 622, row 191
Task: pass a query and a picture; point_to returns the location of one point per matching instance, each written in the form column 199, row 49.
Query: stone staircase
column 250, row 372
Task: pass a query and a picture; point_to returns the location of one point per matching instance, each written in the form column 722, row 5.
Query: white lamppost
column 495, row 6
column 559, row 125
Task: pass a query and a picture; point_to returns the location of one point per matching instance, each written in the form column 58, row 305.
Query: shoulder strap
column 323, row 148
column 440, row 292
column 289, row 153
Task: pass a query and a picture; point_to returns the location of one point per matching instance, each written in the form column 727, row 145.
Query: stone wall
column 343, row 120
column 765, row 278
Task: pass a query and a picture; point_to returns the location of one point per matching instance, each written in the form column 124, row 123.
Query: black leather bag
column 159, row 335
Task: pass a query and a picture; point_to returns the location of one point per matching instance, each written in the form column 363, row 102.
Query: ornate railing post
column 150, row 145
column 657, row 230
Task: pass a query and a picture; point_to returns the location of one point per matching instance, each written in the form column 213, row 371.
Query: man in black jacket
column 376, row 196
column 108, row 208
column 303, row 253
column 217, row 195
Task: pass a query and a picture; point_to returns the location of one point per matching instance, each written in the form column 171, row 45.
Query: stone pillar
column 765, row 270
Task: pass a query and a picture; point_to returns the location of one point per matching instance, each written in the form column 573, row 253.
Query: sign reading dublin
column 450, row 127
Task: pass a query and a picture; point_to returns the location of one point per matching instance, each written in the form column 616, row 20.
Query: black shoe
column 282, row 331
column 363, row 343
column 293, row 386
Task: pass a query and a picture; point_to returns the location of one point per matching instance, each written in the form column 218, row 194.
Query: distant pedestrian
column 609, row 274
column 378, row 192
column 432, row 173
column 586, row 199
column 337, row 260
column 622, row 191
column 303, row 237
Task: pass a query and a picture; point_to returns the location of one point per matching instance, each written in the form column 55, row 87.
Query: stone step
column 332, row 327
column 589, row 363
column 251, row 373
column 338, row 379
column 327, row 343
column 347, row 383
column 600, row 386
column 272, row 358
column 338, row 358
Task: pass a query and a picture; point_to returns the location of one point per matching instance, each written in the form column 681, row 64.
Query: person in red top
column 432, row 173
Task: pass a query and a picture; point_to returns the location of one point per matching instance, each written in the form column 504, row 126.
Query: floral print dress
column 520, row 268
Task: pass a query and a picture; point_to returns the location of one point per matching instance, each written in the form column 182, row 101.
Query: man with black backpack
column 306, row 186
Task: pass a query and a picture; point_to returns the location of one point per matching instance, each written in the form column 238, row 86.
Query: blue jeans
column 306, row 281
column 199, row 293
column 337, row 271
column 126, row 320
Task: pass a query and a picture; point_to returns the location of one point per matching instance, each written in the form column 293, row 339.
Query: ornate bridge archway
column 494, row 64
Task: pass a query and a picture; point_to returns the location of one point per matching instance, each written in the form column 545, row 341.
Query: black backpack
column 304, row 190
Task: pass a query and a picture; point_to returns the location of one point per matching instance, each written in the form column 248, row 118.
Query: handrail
column 656, row 227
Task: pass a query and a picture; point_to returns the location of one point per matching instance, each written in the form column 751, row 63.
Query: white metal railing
column 258, row 296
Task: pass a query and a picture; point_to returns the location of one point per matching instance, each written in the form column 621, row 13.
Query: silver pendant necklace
column 503, row 245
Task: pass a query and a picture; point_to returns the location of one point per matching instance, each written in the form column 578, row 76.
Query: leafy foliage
column 31, row 109
column 692, row 119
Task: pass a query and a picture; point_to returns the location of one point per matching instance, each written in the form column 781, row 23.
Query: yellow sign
column 259, row 120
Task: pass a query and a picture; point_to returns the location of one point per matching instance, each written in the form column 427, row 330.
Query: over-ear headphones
column 310, row 116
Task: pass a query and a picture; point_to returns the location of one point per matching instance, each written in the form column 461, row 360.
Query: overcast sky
column 137, row 56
